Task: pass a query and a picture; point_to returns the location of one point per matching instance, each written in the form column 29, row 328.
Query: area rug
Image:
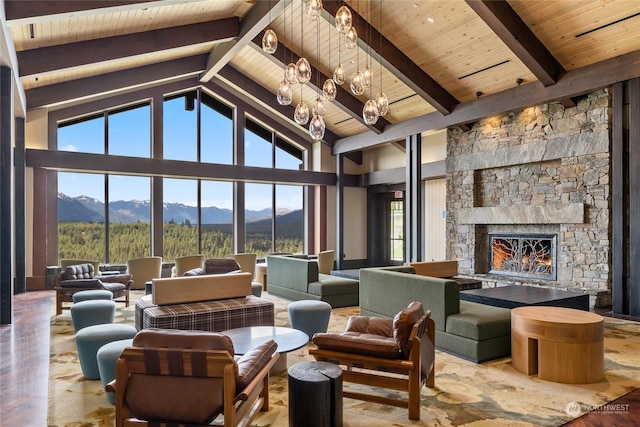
column 465, row 393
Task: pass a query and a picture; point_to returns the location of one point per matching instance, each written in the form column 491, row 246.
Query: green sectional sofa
column 298, row 279
column 473, row 331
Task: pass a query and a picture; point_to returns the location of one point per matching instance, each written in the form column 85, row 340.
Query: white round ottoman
column 309, row 316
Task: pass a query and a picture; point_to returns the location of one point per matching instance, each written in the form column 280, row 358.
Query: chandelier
column 301, row 72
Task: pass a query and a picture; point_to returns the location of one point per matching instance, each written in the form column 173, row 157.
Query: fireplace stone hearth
column 541, row 171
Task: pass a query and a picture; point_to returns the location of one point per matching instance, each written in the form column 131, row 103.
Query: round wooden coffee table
column 288, row 339
column 560, row 344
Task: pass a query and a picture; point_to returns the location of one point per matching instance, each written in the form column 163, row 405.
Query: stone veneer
column 544, row 169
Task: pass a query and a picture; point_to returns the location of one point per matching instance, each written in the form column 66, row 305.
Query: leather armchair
column 80, row 277
column 382, row 347
column 190, row 378
column 216, row 266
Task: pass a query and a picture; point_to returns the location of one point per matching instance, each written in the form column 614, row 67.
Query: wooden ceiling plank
column 507, row 25
column 94, row 86
column 574, row 83
column 46, row 59
column 344, row 100
column 19, row 12
column 255, row 21
column 398, row 63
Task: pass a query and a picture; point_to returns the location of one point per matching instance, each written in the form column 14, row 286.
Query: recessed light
column 430, row 20
column 415, row 5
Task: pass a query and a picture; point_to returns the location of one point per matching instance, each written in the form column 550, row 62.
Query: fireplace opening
column 523, row 255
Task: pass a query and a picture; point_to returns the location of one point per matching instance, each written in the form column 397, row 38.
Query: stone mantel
column 567, row 214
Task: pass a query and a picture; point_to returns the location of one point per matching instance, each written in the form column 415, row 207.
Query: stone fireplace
column 523, row 255
column 541, row 173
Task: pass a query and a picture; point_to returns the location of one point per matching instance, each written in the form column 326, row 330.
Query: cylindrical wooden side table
column 315, row 395
column 564, row 345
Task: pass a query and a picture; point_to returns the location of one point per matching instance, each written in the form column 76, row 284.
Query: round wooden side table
column 315, row 395
column 563, row 345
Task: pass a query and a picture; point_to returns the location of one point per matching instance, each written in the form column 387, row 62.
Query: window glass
column 130, row 132
column 396, row 238
column 129, row 218
column 81, row 231
column 216, row 132
column 86, row 136
column 257, row 150
column 288, row 156
column 258, row 217
column 289, row 219
column 217, row 219
column 180, row 128
column 180, row 218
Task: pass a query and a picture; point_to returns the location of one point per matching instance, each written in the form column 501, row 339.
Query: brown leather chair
column 382, row 346
column 216, row 266
column 173, row 377
column 75, row 278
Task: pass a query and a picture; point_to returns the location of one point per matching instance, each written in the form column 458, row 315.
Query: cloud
column 69, row 147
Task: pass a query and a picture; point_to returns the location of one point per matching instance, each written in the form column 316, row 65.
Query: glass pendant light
column 382, row 102
column 303, row 71
column 319, row 108
column 314, row 9
column 343, row 19
column 290, row 73
column 367, row 76
column 351, row 38
column 269, row 41
column 301, row 115
column 316, row 128
column 339, row 75
column 329, row 90
column 285, row 93
column 370, row 112
column 356, row 83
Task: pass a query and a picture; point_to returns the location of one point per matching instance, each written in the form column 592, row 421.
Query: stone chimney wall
column 544, row 169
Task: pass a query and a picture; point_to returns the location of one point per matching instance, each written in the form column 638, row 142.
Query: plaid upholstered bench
column 213, row 316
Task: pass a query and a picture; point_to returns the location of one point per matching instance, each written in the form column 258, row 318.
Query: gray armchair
column 80, row 277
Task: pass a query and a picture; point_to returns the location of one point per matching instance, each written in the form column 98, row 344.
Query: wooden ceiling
column 441, row 62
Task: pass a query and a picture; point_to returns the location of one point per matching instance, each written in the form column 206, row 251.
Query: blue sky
column 129, row 134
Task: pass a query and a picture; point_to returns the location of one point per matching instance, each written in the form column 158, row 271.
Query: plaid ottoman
column 214, row 316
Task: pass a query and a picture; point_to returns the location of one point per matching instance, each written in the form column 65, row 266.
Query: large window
column 129, row 218
column 113, row 212
column 81, row 230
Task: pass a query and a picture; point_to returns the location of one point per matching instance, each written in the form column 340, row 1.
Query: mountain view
column 87, row 209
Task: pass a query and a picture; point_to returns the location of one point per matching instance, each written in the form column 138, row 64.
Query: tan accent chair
column 186, row 263
column 382, row 348
column 64, row 263
column 189, row 378
column 247, row 262
column 325, row 261
column 144, row 270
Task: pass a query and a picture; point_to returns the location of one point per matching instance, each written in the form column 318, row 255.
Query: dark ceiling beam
column 31, row 11
column 96, row 163
column 399, row 64
column 507, row 25
column 130, row 79
column 256, row 20
column 574, row 83
column 344, row 100
column 42, row 60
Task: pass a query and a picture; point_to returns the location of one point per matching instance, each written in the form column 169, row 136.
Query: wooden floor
column 24, row 370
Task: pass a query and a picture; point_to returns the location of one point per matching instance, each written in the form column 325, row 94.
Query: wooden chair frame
column 375, row 371
column 239, row 409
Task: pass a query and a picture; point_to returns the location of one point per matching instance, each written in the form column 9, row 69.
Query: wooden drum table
column 564, row 345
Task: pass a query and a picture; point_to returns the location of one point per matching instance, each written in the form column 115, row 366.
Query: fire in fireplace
column 523, row 255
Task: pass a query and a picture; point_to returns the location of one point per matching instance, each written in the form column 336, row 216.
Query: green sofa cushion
column 479, row 322
column 333, row 285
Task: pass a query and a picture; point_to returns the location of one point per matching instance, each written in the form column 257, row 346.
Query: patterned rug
column 466, row 394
